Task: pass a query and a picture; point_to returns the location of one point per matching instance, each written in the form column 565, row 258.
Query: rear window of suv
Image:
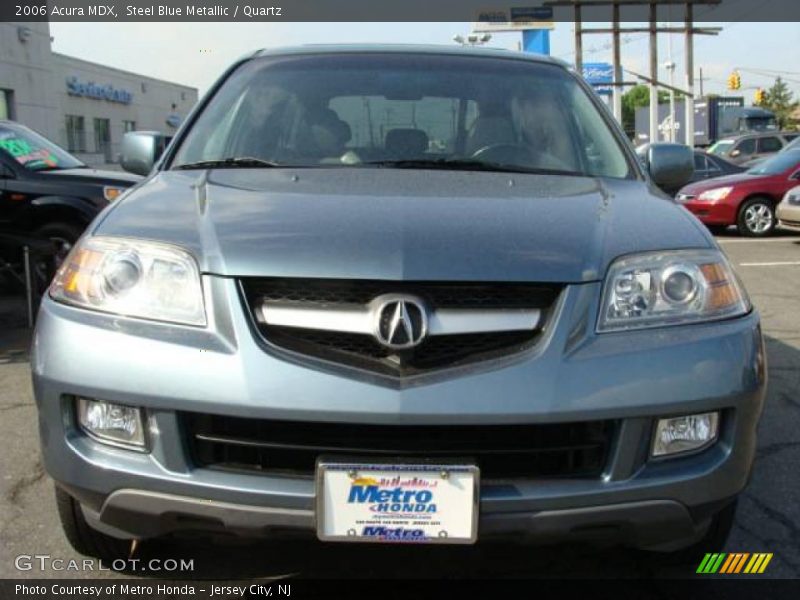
column 382, row 109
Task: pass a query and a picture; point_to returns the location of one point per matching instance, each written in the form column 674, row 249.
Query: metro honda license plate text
column 397, row 503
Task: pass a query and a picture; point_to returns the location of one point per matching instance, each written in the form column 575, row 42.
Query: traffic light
column 734, row 81
column 759, row 96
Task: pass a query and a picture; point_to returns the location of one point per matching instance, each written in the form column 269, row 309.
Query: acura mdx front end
column 393, row 294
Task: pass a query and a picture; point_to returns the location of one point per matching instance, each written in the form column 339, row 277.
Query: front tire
column 82, row 537
column 756, row 217
column 63, row 234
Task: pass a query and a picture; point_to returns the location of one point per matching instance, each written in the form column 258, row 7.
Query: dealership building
column 83, row 106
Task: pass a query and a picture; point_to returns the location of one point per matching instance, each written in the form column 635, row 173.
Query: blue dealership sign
column 600, row 76
column 90, row 89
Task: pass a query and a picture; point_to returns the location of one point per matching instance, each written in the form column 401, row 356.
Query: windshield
column 721, row 148
column 783, row 161
column 33, row 151
column 403, row 110
column 793, row 145
column 761, row 124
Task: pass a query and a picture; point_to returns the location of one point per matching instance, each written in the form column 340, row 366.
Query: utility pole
column 616, row 98
column 653, row 72
column 670, row 67
column 701, row 79
column 688, row 99
column 688, row 29
column 578, row 40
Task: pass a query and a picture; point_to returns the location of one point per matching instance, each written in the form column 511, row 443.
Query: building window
column 183, row 96
column 102, row 138
column 128, row 126
column 76, row 134
column 144, row 87
column 6, row 107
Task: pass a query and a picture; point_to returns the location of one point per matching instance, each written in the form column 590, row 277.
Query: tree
column 780, row 100
column 638, row 97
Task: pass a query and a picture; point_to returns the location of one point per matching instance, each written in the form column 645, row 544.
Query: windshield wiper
column 234, row 162
column 464, row 164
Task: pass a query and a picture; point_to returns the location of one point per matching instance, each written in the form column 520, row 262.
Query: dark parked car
column 748, row 199
column 706, row 166
column 399, row 294
column 46, row 191
column 752, row 146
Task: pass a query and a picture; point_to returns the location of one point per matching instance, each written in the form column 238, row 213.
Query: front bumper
column 712, row 213
column 573, row 375
column 789, row 216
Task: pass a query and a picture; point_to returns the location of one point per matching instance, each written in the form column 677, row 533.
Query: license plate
column 396, row 503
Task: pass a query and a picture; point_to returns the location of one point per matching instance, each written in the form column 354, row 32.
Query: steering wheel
column 520, row 154
column 502, row 153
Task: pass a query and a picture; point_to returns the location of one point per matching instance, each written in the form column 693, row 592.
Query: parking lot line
column 787, row 263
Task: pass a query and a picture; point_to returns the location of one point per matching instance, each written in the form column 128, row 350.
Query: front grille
column 501, row 451
column 364, row 352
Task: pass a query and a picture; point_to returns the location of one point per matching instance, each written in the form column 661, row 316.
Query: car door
column 19, row 188
column 700, row 167
column 6, row 174
column 768, row 145
column 713, row 169
column 744, row 150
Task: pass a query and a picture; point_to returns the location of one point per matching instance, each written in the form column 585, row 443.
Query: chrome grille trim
column 360, row 318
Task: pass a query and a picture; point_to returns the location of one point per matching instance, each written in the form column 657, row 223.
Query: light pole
column 670, row 67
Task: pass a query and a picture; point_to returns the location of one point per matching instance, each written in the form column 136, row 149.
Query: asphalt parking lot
column 768, row 518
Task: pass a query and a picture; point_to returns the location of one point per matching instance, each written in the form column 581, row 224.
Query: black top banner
column 496, row 14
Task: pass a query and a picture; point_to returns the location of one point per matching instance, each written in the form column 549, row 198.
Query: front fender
column 68, row 208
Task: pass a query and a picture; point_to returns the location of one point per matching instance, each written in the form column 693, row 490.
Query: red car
column 748, row 199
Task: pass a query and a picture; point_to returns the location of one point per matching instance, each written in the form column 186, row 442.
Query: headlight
column 684, row 434
column 112, row 193
column 114, row 423
column 670, row 288
column 792, row 196
column 716, row 194
column 132, row 278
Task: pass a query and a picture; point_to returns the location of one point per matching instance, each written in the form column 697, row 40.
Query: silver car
column 399, row 294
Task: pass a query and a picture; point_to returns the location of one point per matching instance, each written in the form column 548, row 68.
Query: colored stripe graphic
column 732, row 558
column 758, row 563
column 741, row 562
column 734, row 562
column 711, row 563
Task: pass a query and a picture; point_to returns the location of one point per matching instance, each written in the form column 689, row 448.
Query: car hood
column 401, row 224
column 732, row 179
column 97, row 176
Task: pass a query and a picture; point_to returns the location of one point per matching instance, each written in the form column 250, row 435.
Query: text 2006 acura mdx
column 399, row 295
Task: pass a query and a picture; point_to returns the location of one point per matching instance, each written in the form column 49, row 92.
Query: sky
column 195, row 54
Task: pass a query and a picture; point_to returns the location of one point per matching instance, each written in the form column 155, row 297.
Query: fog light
column 684, row 434
column 111, row 423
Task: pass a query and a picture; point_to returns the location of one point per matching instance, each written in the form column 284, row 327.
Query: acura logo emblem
column 401, row 321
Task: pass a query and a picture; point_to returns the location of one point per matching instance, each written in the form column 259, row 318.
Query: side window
column 700, row 163
column 713, row 167
column 769, row 144
column 747, row 146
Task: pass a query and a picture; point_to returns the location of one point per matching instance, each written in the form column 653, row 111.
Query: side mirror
column 735, row 153
column 670, row 165
column 141, row 150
